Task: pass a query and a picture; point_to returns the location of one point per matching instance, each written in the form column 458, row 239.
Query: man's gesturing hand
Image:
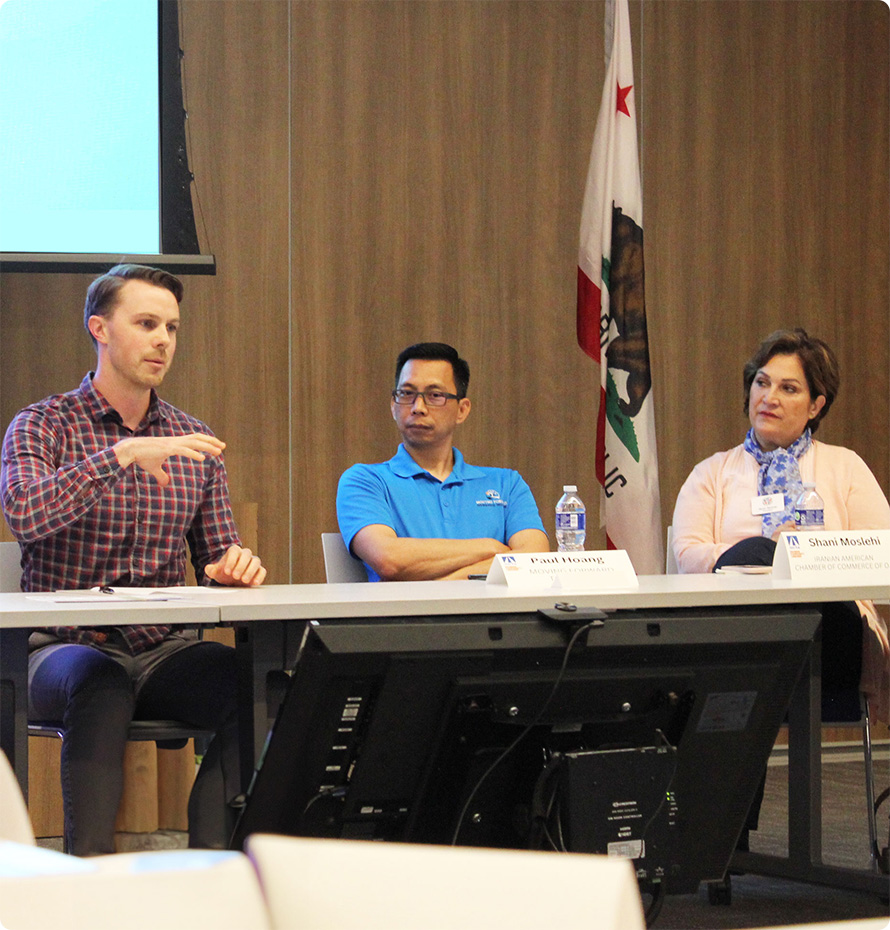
column 237, row 567
column 150, row 452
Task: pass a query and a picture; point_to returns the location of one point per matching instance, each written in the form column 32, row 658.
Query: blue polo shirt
column 471, row 503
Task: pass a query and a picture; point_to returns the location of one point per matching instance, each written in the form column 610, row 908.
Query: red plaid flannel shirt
column 83, row 521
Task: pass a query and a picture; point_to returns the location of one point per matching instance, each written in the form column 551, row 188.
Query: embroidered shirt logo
column 493, row 499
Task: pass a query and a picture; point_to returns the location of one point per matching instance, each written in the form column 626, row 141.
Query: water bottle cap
column 809, row 484
column 570, row 487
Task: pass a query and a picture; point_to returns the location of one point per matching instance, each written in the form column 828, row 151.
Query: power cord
column 525, row 730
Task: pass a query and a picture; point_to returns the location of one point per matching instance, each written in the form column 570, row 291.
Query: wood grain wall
column 373, row 174
column 766, row 177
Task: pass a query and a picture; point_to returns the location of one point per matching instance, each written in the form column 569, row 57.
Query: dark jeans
column 841, row 640
column 92, row 694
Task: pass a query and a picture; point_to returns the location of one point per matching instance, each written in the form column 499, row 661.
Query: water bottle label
column 809, row 518
column 571, row 521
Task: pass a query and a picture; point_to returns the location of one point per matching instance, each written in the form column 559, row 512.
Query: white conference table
column 409, row 598
column 261, row 614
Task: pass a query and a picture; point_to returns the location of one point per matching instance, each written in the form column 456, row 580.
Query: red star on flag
column 622, row 99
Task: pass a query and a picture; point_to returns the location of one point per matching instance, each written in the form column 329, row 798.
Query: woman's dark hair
column 819, row 365
column 102, row 294
column 437, row 352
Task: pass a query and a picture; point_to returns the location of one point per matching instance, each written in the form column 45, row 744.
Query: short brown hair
column 819, row 364
column 103, row 293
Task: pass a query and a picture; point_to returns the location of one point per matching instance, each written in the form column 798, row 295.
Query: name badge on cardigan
column 767, row 503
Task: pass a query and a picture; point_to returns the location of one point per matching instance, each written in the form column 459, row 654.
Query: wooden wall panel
column 236, row 373
column 44, row 348
column 766, row 185
column 439, row 154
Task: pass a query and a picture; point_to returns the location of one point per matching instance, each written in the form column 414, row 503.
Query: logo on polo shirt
column 493, row 499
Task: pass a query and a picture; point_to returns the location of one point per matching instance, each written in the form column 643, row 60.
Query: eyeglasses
column 430, row 398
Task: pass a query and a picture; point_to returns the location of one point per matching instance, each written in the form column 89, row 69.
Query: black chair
column 849, row 707
column 168, row 734
column 840, row 708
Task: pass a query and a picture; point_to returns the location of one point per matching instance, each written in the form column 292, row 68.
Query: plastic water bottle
column 809, row 509
column 571, row 521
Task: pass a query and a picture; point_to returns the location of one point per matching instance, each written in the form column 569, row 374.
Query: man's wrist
column 122, row 452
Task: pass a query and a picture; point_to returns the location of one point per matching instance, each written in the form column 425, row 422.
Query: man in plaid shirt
column 104, row 485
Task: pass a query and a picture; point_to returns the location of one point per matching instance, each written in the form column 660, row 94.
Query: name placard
column 564, row 571
column 834, row 556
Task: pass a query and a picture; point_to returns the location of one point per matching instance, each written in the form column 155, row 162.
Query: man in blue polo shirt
column 427, row 514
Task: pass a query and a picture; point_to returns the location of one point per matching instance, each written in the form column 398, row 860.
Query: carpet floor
column 759, row 901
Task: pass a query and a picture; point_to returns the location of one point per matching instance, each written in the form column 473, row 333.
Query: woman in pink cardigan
column 729, row 510
column 734, row 505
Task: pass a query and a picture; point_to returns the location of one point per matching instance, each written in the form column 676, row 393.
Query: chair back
column 40, row 888
column 10, row 567
column 339, row 563
column 670, row 562
column 15, row 824
column 406, row 886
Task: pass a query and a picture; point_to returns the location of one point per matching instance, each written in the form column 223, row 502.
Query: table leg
column 265, row 649
column 805, row 763
column 804, row 860
column 14, row 702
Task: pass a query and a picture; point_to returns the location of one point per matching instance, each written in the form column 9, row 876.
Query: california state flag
column 612, row 313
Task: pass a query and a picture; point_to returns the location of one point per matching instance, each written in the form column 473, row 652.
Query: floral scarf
column 779, row 472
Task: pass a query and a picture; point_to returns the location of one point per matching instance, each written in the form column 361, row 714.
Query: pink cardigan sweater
column 713, row 512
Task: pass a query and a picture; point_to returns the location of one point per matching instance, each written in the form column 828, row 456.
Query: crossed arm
column 397, row 558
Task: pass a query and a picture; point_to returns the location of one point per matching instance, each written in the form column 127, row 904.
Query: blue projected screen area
column 79, row 126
